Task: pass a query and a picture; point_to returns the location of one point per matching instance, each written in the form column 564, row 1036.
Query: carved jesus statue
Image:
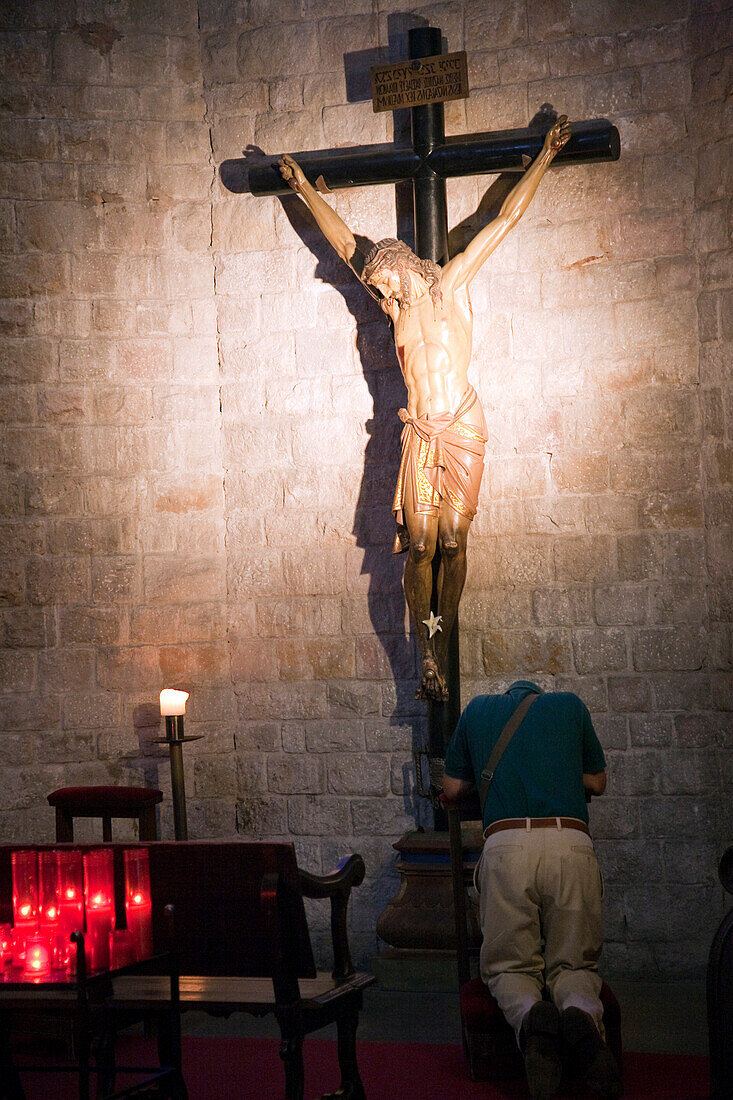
column 444, row 437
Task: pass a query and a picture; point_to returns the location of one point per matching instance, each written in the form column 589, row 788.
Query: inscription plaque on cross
column 427, row 163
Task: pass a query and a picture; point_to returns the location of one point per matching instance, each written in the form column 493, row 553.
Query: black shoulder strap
column 505, row 737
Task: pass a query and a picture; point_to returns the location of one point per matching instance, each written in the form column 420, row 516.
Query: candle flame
column 52, row 912
column 26, row 910
column 98, row 899
column 70, row 893
column 138, row 898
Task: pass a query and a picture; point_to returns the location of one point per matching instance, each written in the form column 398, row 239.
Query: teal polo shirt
column 541, row 771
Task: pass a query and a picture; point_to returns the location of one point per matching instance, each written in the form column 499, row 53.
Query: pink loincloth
column 442, row 460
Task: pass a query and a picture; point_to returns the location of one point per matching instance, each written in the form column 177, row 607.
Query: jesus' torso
column 433, row 344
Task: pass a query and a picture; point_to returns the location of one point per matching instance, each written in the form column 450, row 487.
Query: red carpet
column 250, row 1069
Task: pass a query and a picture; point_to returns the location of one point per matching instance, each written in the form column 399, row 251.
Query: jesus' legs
column 418, row 589
column 452, row 540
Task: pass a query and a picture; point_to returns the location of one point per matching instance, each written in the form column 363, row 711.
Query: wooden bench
column 242, row 941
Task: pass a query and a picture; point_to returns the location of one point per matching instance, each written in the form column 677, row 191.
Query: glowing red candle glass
column 70, row 883
column 99, row 897
column 25, row 900
column 37, row 957
column 6, row 944
column 122, row 948
column 138, row 901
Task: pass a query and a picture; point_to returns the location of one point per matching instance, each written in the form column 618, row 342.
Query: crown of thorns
column 396, row 254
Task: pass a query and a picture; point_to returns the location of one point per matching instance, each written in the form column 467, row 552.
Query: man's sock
column 540, row 1042
column 590, row 1054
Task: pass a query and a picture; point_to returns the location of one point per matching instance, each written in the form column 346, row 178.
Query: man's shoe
column 540, row 1036
column 590, row 1054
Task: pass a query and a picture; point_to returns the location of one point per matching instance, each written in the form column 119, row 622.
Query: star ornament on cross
column 433, row 624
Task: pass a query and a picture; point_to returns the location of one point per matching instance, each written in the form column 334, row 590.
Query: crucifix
column 426, row 298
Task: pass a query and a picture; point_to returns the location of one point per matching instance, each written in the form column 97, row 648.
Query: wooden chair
column 242, row 943
column 720, row 994
column 488, row 1041
column 105, row 802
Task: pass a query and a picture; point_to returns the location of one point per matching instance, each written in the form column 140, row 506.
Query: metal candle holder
column 175, row 740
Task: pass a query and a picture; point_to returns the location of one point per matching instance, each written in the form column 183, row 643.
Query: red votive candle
column 99, row 906
column 122, row 948
column 37, row 957
column 48, row 893
column 6, row 944
column 138, row 901
column 70, row 884
column 25, row 900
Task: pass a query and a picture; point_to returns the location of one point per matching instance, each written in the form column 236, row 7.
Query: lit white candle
column 173, row 702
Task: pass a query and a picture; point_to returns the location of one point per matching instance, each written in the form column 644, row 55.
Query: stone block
column 689, row 863
column 640, row 556
column 272, row 50
column 331, row 735
column 214, row 776
column 318, row 659
column 686, row 772
column 251, row 772
column 629, row 694
column 259, row 737
column 663, row 649
column 672, row 510
column 66, row 670
column 678, row 815
column 562, row 606
column 583, row 559
column 620, row 604
column 169, row 580
column 358, row 774
column 352, row 699
column 644, row 46
column 93, row 711
column 507, row 652
column 293, row 737
column 322, row 815
column 30, row 712
column 115, row 579
column 258, row 817
column 17, row 670
column 92, row 626
column 599, row 650
column 666, row 471
column 624, row 861
column 118, row 667
column 385, row 657
column 515, row 66
column 196, row 663
column 263, row 702
column 502, row 107
column 634, row 772
column 520, row 561
column 614, row 819
column 58, row 580
column 388, row 735
column 380, row 817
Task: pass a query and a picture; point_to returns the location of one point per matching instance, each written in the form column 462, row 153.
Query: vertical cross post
column 431, row 243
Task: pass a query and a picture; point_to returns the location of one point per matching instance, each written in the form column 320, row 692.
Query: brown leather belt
column 536, row 823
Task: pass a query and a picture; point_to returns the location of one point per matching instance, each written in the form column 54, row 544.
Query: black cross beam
column 430, row 160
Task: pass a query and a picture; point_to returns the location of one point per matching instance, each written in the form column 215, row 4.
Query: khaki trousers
column 540, row 885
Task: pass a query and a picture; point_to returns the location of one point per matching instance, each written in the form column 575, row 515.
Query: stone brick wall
column 200, row 435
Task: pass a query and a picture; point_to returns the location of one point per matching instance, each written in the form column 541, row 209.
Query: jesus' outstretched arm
column 336, row 232
column 461, row 269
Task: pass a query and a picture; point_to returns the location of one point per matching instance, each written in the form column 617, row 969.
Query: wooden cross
column 427, row 163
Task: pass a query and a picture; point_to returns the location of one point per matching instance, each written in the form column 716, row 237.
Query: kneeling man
column 538, row 879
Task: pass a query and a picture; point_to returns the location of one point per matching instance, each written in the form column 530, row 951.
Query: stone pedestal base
column 418, row 924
